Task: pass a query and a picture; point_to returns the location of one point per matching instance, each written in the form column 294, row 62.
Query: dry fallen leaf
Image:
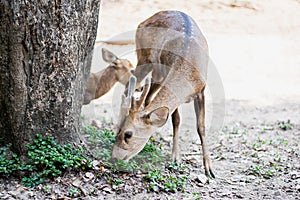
column 107, row 190
column 101, row 187
column 95, row 164
column 77, row 182
column 64, row 198
column 88, row 176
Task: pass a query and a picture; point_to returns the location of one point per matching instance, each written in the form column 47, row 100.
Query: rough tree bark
column 45, row 55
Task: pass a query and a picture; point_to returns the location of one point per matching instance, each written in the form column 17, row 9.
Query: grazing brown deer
column 172, row 47
column 101, row 82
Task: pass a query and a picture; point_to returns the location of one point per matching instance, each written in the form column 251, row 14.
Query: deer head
column 101, row 82
column 122, row 66
column 136, row 124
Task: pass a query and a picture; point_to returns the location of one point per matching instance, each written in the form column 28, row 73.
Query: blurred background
column 254, row 45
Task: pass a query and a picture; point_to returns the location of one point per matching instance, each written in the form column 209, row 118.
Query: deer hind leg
column 175, row 123
column 199, row 105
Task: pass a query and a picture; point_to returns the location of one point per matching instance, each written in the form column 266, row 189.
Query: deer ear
column 158, row 117
column 108, row 56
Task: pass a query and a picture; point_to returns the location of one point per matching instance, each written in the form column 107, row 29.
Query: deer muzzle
column 119, row 153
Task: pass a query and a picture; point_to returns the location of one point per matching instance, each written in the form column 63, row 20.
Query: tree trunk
column 46, row 49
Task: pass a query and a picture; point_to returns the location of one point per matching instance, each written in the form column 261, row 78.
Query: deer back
column 171, row 44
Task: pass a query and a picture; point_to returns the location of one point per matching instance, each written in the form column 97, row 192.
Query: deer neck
column 164, row 98
column 106, row 80
column 175, row 90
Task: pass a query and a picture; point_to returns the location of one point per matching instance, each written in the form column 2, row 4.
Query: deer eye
column 127, row 135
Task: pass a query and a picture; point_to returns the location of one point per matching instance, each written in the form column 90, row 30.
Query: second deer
column 172, row 47
column 101, row 82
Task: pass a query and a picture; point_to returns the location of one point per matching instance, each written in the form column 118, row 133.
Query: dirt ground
column 255, row 47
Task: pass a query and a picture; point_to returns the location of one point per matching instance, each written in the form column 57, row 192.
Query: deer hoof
column 209, row 173
column 176, row 158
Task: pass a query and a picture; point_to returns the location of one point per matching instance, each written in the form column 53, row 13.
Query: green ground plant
column 46, row 160
column 159, row 181
column 160, row 175
column 285, row 125
column 266, row 169
column 102, row 142
column 9, row 162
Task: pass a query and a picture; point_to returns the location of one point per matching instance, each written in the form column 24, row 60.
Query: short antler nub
column 126, row 100
column 141, row 100
column 131, row 86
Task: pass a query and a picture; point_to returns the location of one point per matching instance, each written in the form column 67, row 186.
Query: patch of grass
column 265, row 170
column 285, row 125
column 100, row 138
column 254, row 154
column 266, row 127
column 176, row 167
column 283, row 141
column 9, row 162
column 165, row 182
column 47, row 189
column 196, row 196
column 220, row 154
column 237, row 131
column 259, row 143
column 93, row 191
column 74, row 192
column 160, row 176
column 46, row 159
column 278, row 141
column 53, row 159
column 102, row 142
column 115, row 182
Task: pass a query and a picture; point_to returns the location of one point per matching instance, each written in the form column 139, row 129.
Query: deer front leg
column 199, row 105
column 175, row 123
